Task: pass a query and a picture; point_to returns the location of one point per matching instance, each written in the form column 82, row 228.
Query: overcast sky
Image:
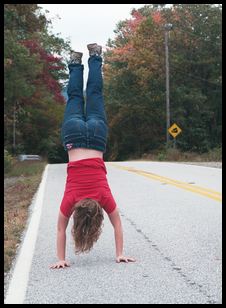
column 87, row 23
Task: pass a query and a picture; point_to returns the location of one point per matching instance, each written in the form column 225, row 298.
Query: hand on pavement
column 124, row 259
column 59, row 264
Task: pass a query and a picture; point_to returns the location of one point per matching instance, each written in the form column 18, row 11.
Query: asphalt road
column 171, row 215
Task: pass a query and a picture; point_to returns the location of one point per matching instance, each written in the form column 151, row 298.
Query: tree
column 34, row 75
column 134, row 70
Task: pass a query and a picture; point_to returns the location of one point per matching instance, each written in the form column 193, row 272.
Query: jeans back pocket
column 101, row 129
column 73, row 127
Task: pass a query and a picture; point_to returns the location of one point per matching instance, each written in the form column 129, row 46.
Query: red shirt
column 86, row 178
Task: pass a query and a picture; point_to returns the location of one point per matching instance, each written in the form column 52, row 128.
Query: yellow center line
column 210, row 193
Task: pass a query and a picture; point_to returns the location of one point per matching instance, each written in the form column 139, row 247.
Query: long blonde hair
column 88, row 217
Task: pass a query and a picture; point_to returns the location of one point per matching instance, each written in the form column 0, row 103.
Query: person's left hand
column 60, row 264
column 124, row 259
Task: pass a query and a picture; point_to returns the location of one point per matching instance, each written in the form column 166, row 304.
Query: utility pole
column 168, row 27
column 14, row 128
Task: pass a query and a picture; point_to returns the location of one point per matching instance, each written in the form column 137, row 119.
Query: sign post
column 174, row 130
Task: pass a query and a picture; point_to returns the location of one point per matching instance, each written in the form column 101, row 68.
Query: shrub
column 57, row 155
column 8, row 161
column 214, row 154
column 173, row 154
column 161, row 156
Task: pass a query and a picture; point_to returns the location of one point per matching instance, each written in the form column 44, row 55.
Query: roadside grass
column 21, row 183
column 25, row 168
column 174, row 154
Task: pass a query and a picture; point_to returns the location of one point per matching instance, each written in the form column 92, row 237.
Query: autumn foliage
column 50, row 63
column 135, row 77
column 34, row 75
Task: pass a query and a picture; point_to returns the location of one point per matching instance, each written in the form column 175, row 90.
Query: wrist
column 61, row 258
column 119, row 255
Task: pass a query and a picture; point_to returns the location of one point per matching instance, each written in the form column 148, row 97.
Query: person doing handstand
column 84, row 135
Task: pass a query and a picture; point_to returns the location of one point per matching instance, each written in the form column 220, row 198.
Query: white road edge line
column 18, row 283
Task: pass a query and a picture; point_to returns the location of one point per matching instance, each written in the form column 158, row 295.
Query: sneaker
column 76, row 57
column 94, row 49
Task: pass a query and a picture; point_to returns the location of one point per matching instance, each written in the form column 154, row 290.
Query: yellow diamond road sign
column 174, row 130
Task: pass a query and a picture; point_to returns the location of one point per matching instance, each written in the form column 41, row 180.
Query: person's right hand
column 125, row 259
column 59, row 264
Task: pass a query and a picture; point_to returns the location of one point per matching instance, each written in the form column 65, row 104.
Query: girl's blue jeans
column 85, row 122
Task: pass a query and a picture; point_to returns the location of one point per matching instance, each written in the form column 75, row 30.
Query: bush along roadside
column 8, row 161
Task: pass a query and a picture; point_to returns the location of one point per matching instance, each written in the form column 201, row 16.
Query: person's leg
column 95, row 111
column 75, row 103
column 73, row 127
column 94, row 90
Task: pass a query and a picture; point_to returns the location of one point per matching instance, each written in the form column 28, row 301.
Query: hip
column 91, row 134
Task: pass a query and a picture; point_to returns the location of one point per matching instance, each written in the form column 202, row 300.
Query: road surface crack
column 174, row 267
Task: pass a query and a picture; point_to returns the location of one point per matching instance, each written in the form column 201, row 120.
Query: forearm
column 61, row 245
column 118, row 240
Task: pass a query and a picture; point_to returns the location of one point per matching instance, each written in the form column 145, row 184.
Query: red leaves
column 137, row 15
column 35, row 48
column 50, row 64
column 140, row 52
column 55, row 67
column 157, row 17
column 136, row 21
column 121, row 53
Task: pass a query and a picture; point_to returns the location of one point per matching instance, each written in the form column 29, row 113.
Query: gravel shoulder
column 211, row 164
